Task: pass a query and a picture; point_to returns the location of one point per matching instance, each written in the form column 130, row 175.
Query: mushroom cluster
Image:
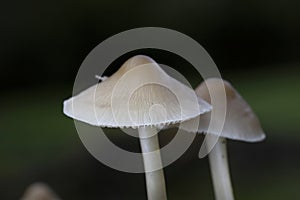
column 142, row 95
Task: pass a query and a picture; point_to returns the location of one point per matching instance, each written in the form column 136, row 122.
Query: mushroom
column 39, row 191
column 139, row 95
column 240, row 124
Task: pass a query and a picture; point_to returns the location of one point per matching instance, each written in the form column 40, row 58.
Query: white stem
column 219, row 169
column 155, row 181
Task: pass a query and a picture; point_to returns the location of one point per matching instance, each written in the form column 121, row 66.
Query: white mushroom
column 139, row 95
column 240, row 124
column 39, row 191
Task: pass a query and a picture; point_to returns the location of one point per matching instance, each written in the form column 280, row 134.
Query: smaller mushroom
column 240, row 124
column 39, row 191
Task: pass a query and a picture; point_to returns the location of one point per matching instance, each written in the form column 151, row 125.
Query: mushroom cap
column 39, row 191
column 139, row 94
column 240, row 123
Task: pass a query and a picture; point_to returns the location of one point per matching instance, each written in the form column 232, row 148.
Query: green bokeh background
column 255, row 44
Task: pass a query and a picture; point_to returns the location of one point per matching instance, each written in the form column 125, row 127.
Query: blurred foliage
column 46, row 41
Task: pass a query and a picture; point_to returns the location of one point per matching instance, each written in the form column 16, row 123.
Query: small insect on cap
column 241, row 123
column 139, row 94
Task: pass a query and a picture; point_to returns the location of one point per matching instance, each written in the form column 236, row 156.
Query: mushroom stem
column 155, row 181
column 219, row 168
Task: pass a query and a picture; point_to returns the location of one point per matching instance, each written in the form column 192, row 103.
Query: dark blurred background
column 255, row 44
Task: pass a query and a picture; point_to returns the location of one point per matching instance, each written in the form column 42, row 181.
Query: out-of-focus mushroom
column 139, row 95
column 39, row 191
column 240, row 124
